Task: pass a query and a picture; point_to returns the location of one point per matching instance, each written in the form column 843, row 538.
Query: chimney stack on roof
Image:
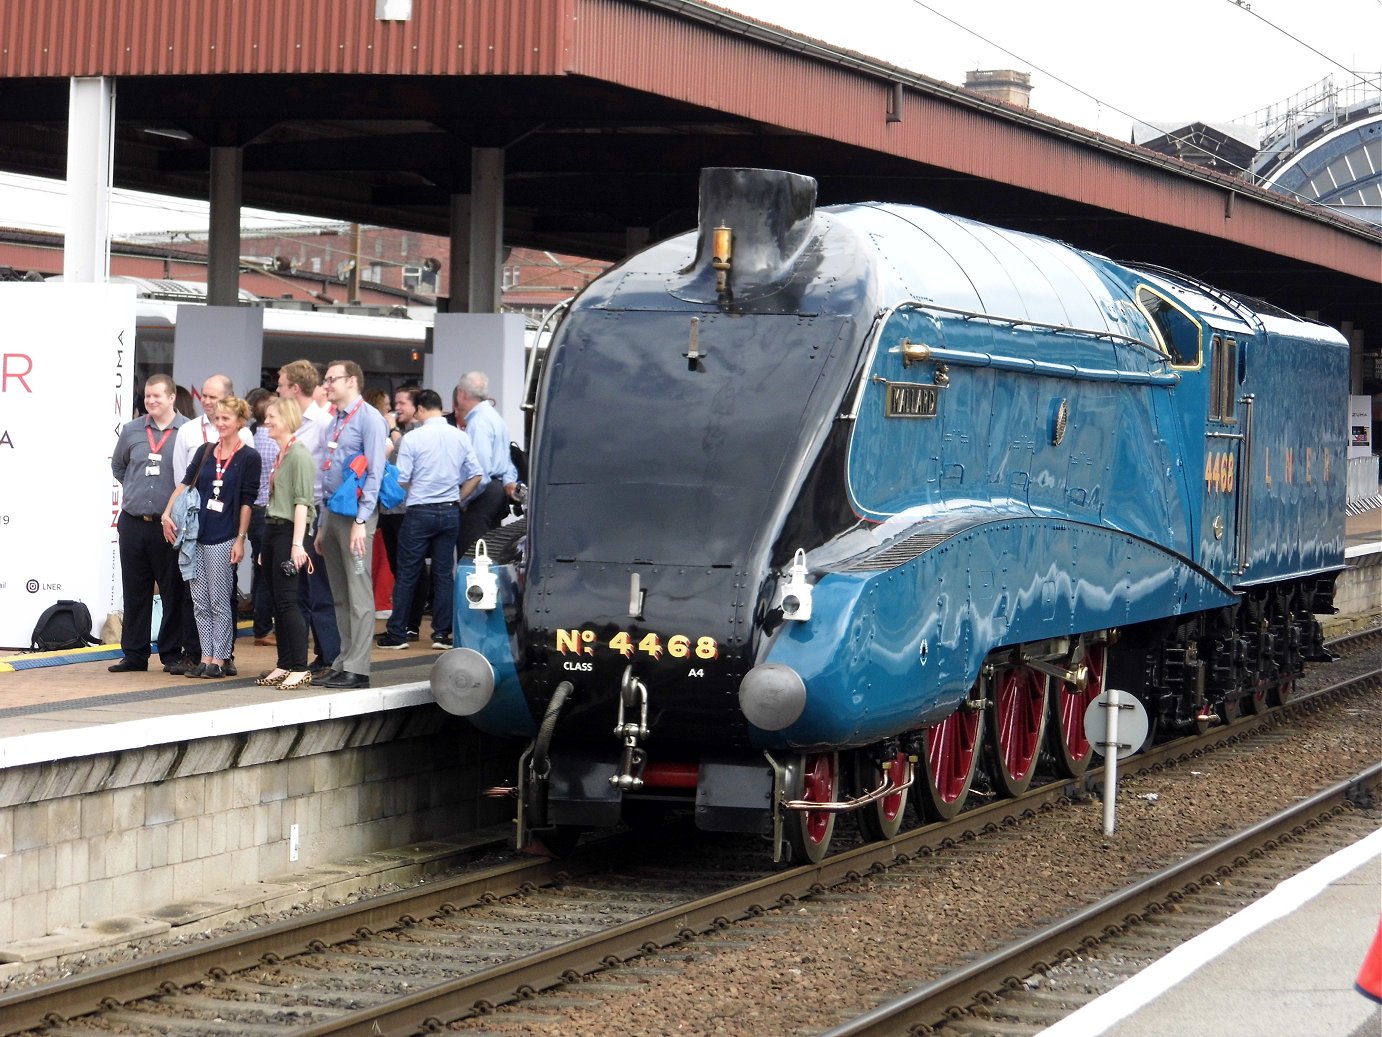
column 1003, row 84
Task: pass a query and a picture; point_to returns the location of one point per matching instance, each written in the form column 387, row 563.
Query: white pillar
column 90, row 150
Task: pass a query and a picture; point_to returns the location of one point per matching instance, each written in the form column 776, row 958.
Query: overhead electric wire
column 1137, row 121
column 1244, row 5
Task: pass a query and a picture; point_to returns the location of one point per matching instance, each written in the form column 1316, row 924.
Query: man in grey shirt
column 142, row 463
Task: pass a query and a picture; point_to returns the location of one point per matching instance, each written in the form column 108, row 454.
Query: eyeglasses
column 334, row 378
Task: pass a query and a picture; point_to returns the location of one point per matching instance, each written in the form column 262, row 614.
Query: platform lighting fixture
column 169, row 132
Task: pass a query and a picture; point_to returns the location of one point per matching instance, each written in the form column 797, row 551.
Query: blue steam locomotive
column 833, row 508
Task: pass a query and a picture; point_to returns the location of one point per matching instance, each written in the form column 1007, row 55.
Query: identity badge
column 216, row 505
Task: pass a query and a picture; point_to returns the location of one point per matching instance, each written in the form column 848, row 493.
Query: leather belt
column 143, row 518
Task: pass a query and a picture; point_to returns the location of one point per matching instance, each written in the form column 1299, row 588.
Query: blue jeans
column 428, row 531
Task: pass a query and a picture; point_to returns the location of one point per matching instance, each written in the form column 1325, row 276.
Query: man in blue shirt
column 476, row 413
column 345, row 541
column 438, row 465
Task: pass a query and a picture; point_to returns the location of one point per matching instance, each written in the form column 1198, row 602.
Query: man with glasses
column 345, row 540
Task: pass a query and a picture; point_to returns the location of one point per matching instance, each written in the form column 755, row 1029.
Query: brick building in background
column 313, row 264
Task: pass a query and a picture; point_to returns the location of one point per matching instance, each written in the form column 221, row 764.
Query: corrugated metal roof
column 206, row 37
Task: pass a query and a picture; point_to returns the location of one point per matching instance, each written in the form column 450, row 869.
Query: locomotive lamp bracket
column 795, row 601
column 694, row 354
column 482, row 586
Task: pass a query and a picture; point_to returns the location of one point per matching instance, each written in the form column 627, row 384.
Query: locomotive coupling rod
column 887, row 788
column 1076, row 675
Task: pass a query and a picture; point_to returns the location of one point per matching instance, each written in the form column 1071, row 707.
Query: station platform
column 58, row 705
column 1286, row 964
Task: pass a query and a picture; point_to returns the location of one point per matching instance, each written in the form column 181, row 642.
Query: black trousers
column 289, row 622
column 147, row 559
column 485, row 511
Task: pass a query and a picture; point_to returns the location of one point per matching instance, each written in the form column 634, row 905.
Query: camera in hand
column 289, row 569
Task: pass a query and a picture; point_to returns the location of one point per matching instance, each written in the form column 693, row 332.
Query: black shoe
column 126, row 666
column 441, row 641
column 195, row 671
column 347, row 681
column 387, row 640
column 228, row 669
column 211, row 671
column 414, row 635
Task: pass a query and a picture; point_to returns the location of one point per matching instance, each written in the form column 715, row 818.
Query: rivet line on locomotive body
column 830, row 508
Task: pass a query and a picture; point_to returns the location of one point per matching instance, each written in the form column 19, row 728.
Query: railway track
column 1042, row 978
column 406, row 962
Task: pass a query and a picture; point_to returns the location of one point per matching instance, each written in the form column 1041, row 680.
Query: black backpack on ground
column 62, row 626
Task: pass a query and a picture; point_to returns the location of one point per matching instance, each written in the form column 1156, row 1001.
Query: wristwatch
column 360, row 522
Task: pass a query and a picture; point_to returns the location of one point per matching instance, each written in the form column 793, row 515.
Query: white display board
column 66, row 373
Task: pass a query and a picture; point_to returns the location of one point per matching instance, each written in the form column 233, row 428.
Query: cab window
column 1223, row 387
column 1178, row 331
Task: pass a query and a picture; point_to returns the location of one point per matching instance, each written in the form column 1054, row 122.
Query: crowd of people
column 293, row 478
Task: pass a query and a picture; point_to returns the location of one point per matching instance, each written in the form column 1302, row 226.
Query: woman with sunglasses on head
column 290, row 513
column 226, row 475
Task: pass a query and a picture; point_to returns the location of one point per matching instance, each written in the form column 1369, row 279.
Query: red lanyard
column 154, row 448
column 221, row 467
column 335, row 440
column 343, row 422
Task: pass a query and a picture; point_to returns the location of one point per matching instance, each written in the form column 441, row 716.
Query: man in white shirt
column 195, row 433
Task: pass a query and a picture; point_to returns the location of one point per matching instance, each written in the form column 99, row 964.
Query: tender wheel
column 1259, row 701
column 1017, row 725
column 813, row 777
column 881, row 819
column 951, row 757
column 1070, row 749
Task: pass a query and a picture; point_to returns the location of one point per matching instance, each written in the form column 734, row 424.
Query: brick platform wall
column 127, row 832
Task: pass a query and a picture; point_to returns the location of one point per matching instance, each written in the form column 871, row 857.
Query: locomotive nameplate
column 911, row 400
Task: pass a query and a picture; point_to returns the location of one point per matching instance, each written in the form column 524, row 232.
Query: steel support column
column 223, row 239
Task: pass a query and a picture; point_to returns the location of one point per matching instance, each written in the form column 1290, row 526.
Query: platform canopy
column 605, row 111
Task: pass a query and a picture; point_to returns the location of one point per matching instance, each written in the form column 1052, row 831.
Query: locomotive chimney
column 753, row 226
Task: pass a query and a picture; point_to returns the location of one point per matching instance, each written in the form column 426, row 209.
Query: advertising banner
column 66, row 372
column 1359, row 426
